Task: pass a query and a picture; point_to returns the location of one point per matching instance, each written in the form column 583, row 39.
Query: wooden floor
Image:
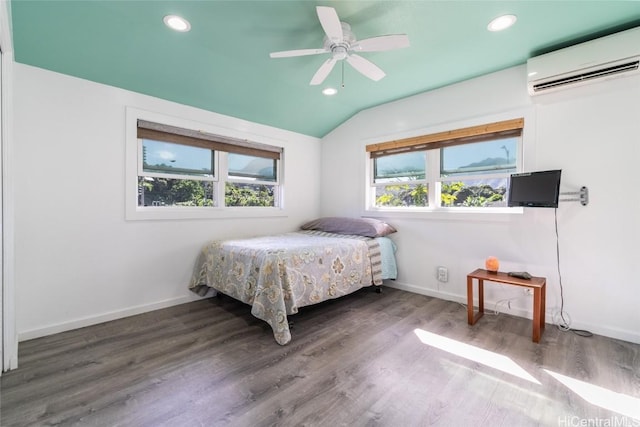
column 390, row 359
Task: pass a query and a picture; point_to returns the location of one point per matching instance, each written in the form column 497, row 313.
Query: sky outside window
column 480, row 156
column 176, row 158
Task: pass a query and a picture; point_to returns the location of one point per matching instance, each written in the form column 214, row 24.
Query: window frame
column 373, row 185
column 134, row 162
column 224, row 171
column 526, row 150
column 213, row 179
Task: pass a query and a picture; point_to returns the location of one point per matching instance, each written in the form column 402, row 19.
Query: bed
column 278, row 274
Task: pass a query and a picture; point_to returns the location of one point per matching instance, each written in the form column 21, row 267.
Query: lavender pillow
column 368, row 227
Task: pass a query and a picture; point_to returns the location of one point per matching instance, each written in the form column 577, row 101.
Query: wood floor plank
column 366, row 359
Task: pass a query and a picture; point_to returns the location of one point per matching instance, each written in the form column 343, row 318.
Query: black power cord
column 565, row 325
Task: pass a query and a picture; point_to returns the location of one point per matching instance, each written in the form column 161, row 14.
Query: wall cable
column 562, row 323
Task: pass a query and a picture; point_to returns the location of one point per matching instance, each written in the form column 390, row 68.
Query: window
column 250, row 181
column 465, row 168
column 401, row 180
column 186, row 168
column 175, row 175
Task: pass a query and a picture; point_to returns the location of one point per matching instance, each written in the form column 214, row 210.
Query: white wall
column 78, row 261
column 591, row 133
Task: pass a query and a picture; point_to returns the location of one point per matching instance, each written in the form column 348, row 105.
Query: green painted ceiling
column 223, row 63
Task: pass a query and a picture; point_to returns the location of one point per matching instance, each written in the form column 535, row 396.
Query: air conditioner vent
column 596, row 74
column 614, row 56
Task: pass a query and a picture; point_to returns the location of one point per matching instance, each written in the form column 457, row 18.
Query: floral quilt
column 278, row 274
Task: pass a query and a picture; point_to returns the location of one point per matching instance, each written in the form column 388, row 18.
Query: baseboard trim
column 621, row 334
column 104, row 317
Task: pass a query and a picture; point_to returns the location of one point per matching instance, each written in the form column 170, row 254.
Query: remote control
column 520, row 274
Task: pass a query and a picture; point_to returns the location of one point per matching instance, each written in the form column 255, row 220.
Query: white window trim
column 525, row 162
column 134, row 212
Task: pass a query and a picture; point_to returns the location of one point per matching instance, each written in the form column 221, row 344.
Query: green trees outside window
column 452, row 194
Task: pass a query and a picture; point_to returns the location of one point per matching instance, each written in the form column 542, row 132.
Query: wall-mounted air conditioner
column 596, row 60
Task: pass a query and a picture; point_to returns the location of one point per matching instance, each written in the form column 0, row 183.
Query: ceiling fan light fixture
column 339, row 52
column 502, row 22
column 329, row 91
column 177, row 23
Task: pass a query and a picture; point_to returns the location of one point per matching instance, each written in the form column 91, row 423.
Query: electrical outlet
column 442, row 274
column 528, row 291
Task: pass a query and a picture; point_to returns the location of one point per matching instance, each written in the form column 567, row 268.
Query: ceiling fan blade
column 299, row 52
column 330, row 23
column 323, row 71
column 381, row 43
column 365, row 67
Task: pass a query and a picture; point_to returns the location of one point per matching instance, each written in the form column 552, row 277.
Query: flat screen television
column 535, row 189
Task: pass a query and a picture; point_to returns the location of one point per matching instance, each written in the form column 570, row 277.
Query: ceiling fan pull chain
column 342, row 74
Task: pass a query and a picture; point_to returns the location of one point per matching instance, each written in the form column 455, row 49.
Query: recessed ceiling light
column 329, row 91
column 502, row 22
column 177, row 23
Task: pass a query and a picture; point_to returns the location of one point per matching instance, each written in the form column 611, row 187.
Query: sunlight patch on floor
column 600, row 396
column 476, row 354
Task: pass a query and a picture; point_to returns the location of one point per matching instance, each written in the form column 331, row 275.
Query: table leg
column 543, row 308
column 537, row 305
column 471, row 319
column 470, row 300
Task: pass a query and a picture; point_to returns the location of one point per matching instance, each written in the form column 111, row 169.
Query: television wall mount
column 583, row 196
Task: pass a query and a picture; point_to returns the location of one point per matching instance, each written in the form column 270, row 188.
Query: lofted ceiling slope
column 223, row 63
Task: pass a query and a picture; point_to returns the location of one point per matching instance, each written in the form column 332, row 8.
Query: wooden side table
column 538, row 284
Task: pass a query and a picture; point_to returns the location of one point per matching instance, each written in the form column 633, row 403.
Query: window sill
column 448, row 214
column 168, row 213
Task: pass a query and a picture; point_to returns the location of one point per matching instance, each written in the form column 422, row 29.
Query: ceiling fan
column 341, row 43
